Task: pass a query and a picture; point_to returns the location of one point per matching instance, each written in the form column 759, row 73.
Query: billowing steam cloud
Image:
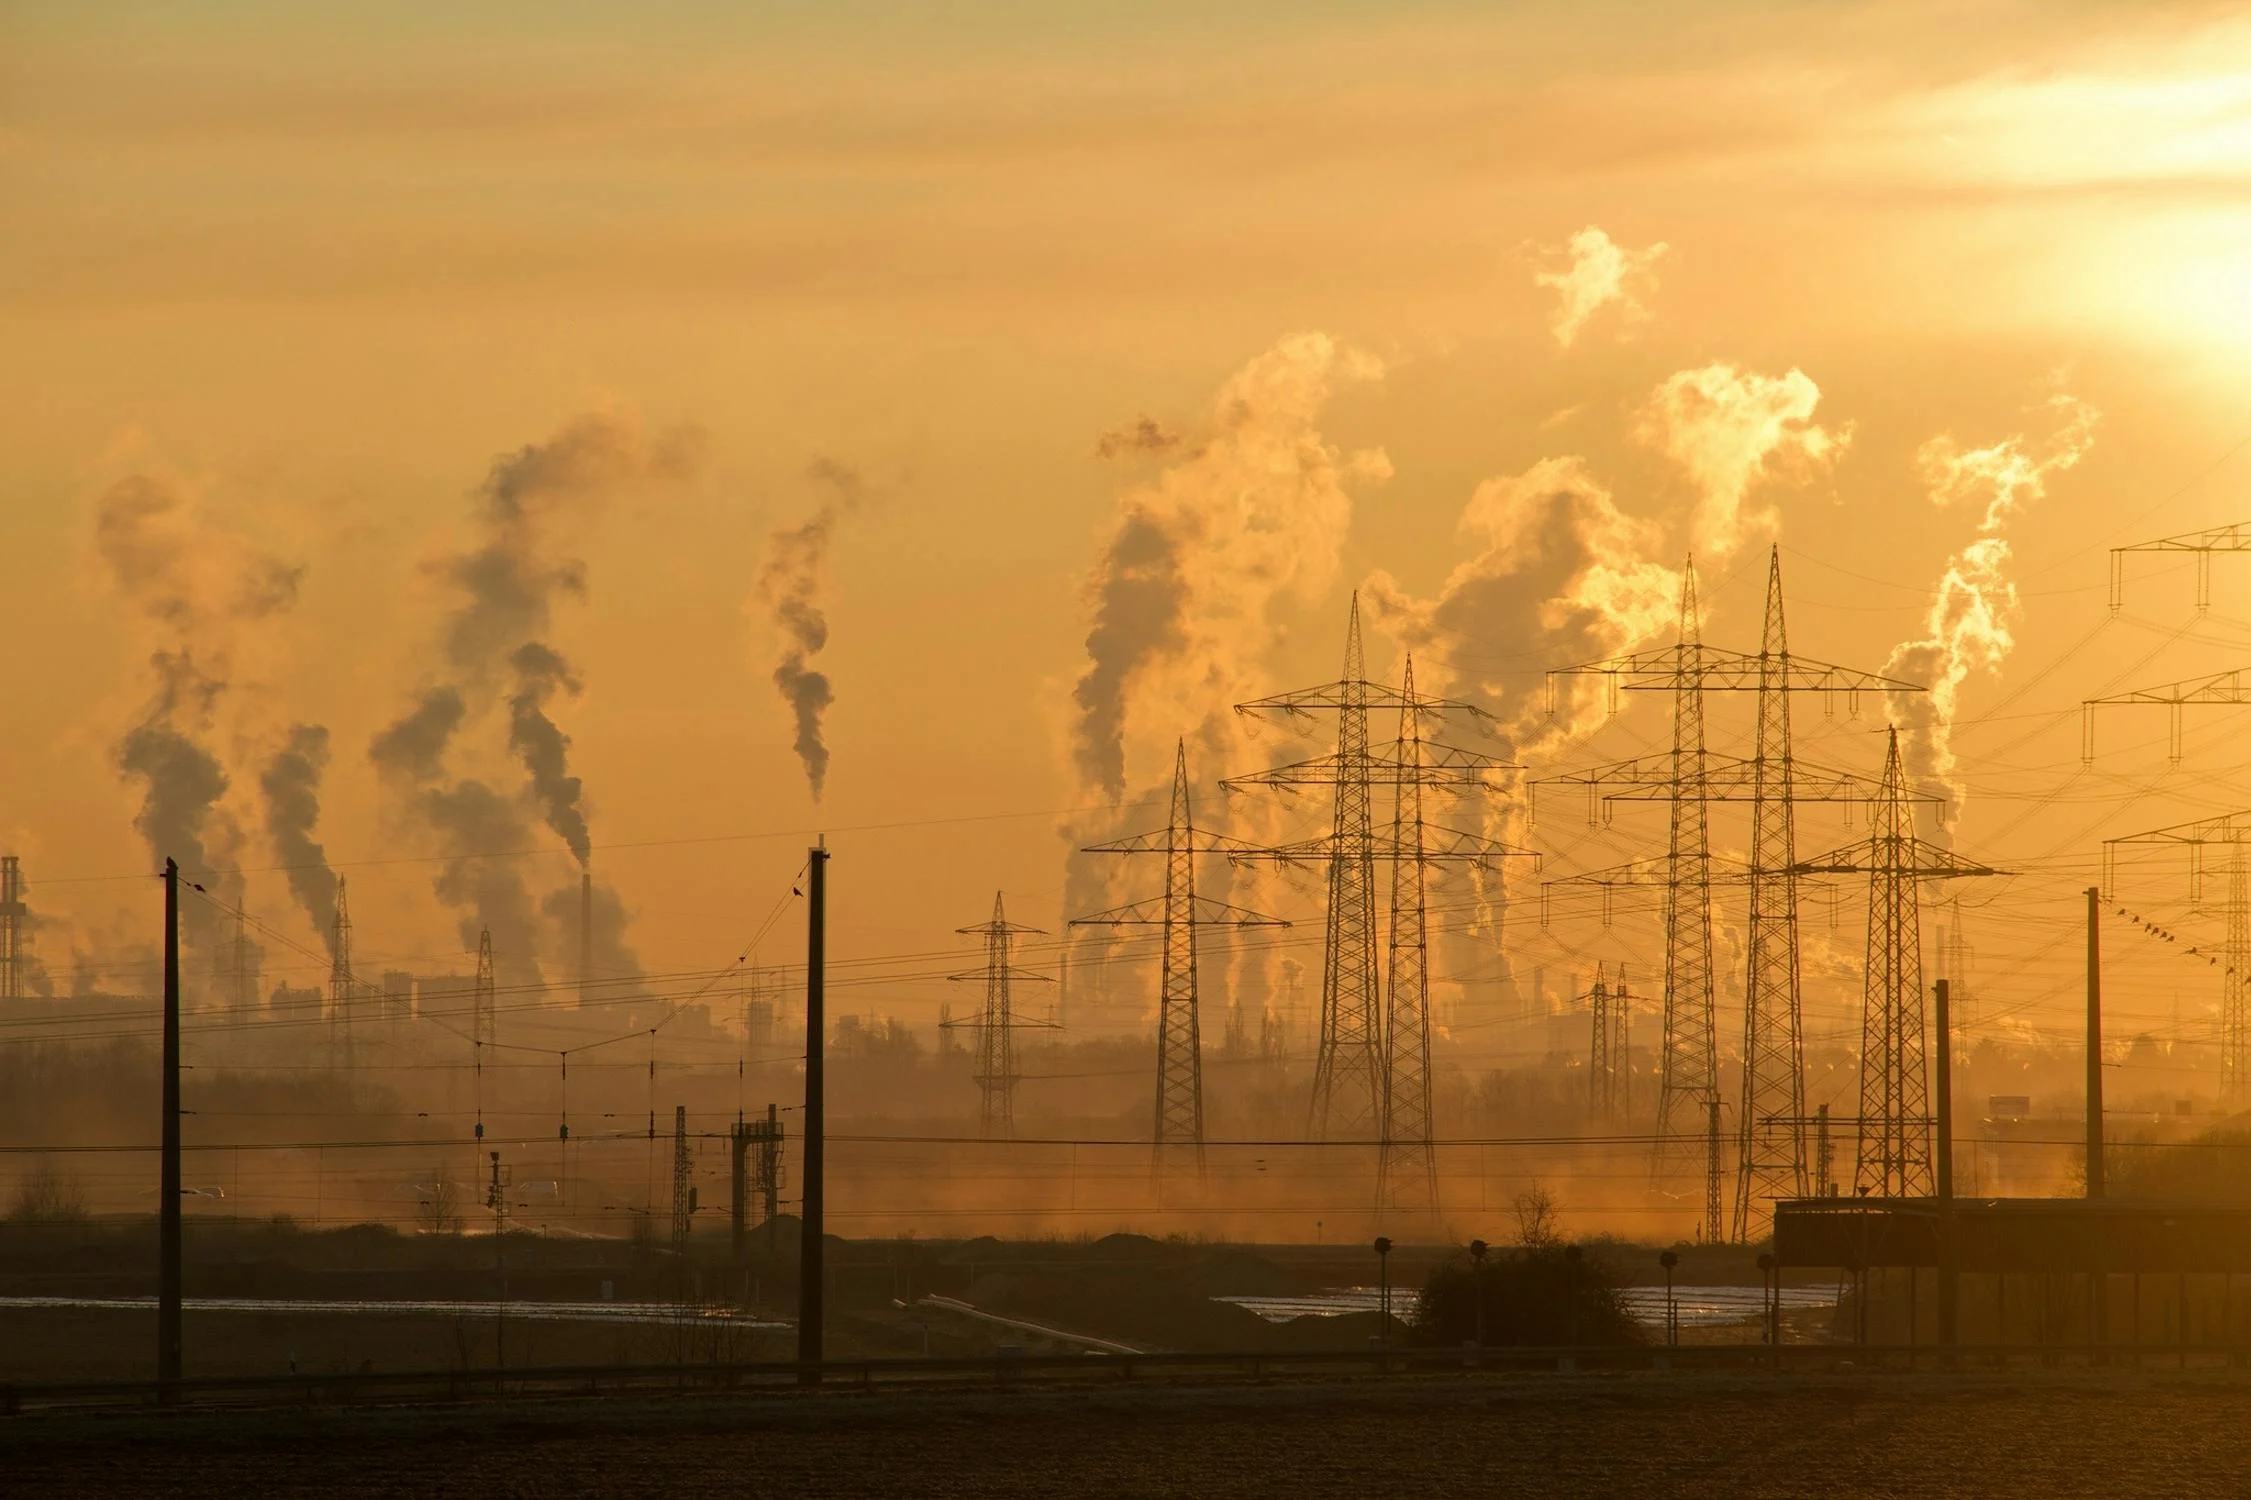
column 1598, row 272
column 1182, row 599
column 1968, row 627
column 291, row 787
column 1561, row 574
column 1730, row 428
column 494, row 656
column 542, row 747
column 790, row 587
column 201, row 589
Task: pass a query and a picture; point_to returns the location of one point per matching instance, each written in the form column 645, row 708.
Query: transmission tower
column 683, row 1185
column 1353, row 1056
column 1895, row 1122
column 242, row 972
column 996, row 1025
column 340, row 978
column 2203, row 544
column 1602, row 1077
column 1772, row 1158
column 13, row 919
column 1178, row 913
column 2231, row 831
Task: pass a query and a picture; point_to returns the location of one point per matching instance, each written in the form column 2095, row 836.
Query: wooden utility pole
column 1947, row 1267
column 2094, row 1044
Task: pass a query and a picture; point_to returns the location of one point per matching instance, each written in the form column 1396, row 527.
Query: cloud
column 1141, row 439
column 1729, row 429
column 1597, row 272
column 1181, row 600
column 790, row 586
column 1969, row 627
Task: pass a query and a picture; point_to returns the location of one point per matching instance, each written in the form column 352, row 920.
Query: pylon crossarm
column 1715, row 669
column 1159, row 841
column 2220, row 688
column 1001, row 929
column 1355, row 693
column 1910, row 857
column 1001, row 973
column 1658, row 871
column 2227, row 828
column 1151, row 913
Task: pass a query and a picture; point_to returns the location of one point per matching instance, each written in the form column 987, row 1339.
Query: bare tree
column 440, row 1211
column 1539, row 1218
column 45, row 1196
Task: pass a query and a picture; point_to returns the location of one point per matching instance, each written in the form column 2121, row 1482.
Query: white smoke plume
column 1182, row 599
column 1729, row 429
column 1561, row 574
column 494, row 661
column 1968, row 628
column 1596, row 273
column 790, row 587
column 200, row 588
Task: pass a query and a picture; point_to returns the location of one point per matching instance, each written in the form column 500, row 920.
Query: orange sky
column 315, row 271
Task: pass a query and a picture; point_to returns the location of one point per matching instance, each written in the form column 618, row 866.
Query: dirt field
column 1743, row 1438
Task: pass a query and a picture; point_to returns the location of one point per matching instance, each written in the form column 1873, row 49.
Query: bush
column 45, row 1196
column 1537, row 1294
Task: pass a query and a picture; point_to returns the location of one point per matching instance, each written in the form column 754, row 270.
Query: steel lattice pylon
column 12, row 913
column 1773, row 1156
column 1179, row 1122
column 2231, row 831
column 1407, row 1153
column 340, row 983
column 1689, row 778
column 683, row 1187
column 996, row 1023
column 1895, row 1113
column 1609, row 1047
column 1354, row 1056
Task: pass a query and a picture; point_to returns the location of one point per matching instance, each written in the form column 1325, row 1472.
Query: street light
column 1477, row 1249
column 1571, row 1254
column 1383, row 1273
column 1770, row 1293
column 1672, row 1319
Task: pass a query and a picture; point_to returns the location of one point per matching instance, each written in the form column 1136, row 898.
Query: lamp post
column 1383, row 1276
column 1672, row 1320
column 1571, row 1254
column 1477, row 1249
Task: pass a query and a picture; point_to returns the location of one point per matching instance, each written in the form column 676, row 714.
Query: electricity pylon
column 1895, row 1116
column 1179, row 912
column 13, row 919
column 2231, row 831
column 996, row 1024
column 1373, row 1067
column 1609, row 1047
column 1772, row 1157
column 683, row 1192
column 1350, row 1063
column 2231, row 688
column 2233, row 538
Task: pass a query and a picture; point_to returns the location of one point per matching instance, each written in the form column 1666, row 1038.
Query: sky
column 352, row 352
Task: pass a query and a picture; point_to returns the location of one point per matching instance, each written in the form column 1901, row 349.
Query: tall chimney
column 585, row 935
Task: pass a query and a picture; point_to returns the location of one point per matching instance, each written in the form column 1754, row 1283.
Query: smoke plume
column 1729, row 429
column 790, row 586
column 1597, row 272
column 1182, row 599
column 200, row 589
column 494, row 657
column 1968, row 628
column 542, row 747
column 291, row 786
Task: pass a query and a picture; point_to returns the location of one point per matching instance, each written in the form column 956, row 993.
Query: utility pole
column 996, row 1025
column 1895, row 1124
column 481, row 1030
column 2094, row 1043
column 1179, row 1124
column 809, row 1272
column 169, row 1185
column 1948, row 1265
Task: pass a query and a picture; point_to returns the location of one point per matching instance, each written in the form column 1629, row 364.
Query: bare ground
column 2032, row 1434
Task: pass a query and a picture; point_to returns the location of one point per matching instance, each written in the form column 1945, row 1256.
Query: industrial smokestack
column 585, row 934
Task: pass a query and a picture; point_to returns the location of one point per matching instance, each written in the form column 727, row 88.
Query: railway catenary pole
column 809, row 1272
column 168, row 1185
